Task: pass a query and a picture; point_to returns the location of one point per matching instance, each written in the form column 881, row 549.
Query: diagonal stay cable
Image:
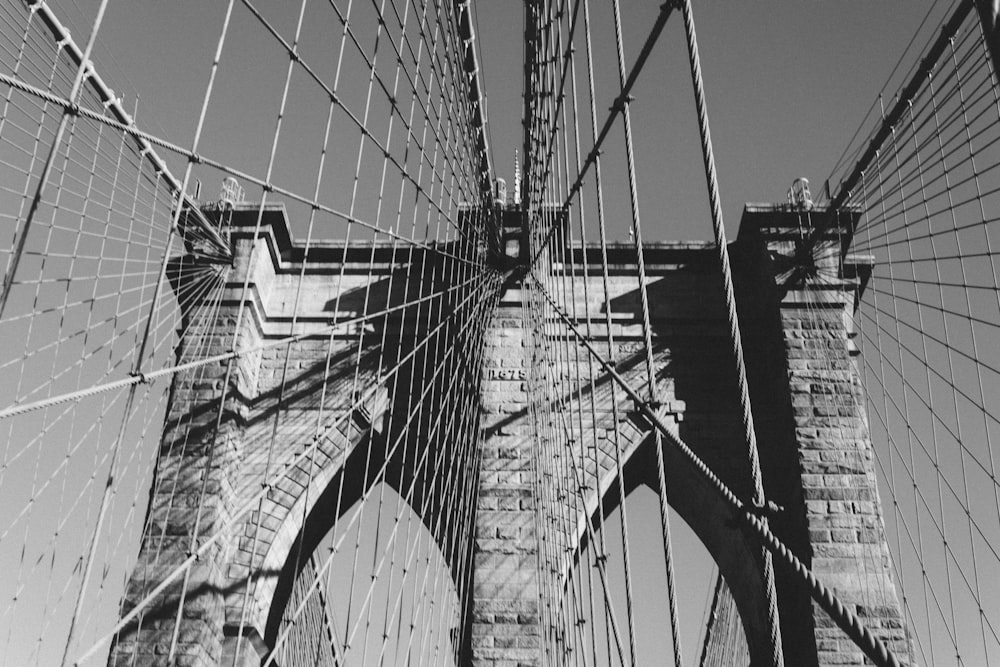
column 277, row 475
column 719, row 229
column 619, row 104
column 232, row 171
column 871, row 645
column 140, row 378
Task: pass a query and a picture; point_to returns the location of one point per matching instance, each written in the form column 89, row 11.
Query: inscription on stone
column 507, row 374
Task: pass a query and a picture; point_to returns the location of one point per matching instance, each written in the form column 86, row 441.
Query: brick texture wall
column 817, row 458
column 506, row 626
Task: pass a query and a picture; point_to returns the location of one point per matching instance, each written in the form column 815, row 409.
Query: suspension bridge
column 368, row 405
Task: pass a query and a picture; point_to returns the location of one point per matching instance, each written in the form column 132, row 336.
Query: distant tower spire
column 517, row 178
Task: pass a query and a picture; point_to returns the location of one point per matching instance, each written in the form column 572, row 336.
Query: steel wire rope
column 465, row 514
column 84, row 359
column 395, row 388
column 891, row 476
column 466, row 417
column 588, row 330
column 601, row 567
column 571, row 586
column 950, row 28
column 895, row 319
column 911, row 471
column 949, row 347
column 281, row 637
column 70, row 449
column 952, row 385
column 213, row 71
column 385, row 626
column 620, row 102
column 343, row 264
column 934, row 459
column 599, row 193
column 437, row 232
column 928, row 584
column 436, row 477
column 601, row 560
column 919, row 93
column 719, row 229
column 555, row 408
column 975, row 351
column 109, row 490
column 293, row 55
column 311, row 72
column 411, row 249
column 547, row 478
column 895, row 68
column 208, row 311
column 120, row 292
column 120, row 74
column 409, row 492
column 912, row 475
column 564, row 383
column 200, row 159
column 646, row 327
column 245, row 507
column 78, row 80
column 576, row 585
column 368, row 455
column 996, row 283
column 448, row 475
column 901, row 570
column 378, row 520
column 104, row 97
column 569, row 374
column 172, row 370
column 7, row 457
column 840, row 614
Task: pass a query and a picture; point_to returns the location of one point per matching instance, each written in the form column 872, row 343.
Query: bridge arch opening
column 703, row 528
column 367, row 587
column 695, row 571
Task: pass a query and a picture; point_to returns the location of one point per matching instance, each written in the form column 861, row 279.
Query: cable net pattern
column 919, row 198
column 128, row 283
column 249, row 428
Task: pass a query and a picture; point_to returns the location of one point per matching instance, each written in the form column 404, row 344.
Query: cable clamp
column 653, row 405
column 621, row 101
column 768, row 509
column 140, row 376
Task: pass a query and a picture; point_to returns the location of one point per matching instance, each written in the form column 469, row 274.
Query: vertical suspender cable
column 734, row 325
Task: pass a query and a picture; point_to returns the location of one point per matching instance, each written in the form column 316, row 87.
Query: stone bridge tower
column 816, row 456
